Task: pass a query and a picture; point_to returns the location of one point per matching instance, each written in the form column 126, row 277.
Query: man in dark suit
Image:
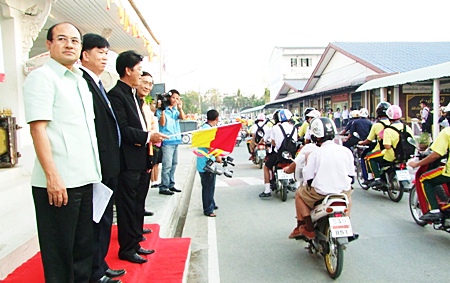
column 135, row 139
column 93, row 60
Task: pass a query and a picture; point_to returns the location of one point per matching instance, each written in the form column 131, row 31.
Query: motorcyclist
column 360, row 126
column 276, row 137
column 304, row 127
column 376, row 132
column 390, row 141
column 329, row 170
column 438, row 176
column 261, row 122
column 354, row 115
column 310, row 116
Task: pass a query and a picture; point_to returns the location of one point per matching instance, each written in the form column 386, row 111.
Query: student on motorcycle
column 390, row 141
column 310, row 116
column 304, row 127
column 354, row 115
column 260, row 122
column 433, row 178
column 329, row 170
column 276, row 137
column 376, row 132
column 361, row 126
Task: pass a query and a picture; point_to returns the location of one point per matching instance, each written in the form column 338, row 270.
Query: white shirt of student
column 301, row 159
column 255, row 127
column 277, row 134
column 330, row 167
column 345, row 114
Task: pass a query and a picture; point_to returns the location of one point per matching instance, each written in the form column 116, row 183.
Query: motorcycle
column 242, row 135
column 395, row 176
column 418, row 204
column 259, row 153
column 283, row 182
column 333, row 231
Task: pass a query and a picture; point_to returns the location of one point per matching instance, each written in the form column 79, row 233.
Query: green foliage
column 424, row 138
column 148, row 99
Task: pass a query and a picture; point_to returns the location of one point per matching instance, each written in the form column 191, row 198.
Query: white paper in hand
column 100, row 199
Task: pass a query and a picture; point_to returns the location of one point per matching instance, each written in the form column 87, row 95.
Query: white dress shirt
column 330, row 166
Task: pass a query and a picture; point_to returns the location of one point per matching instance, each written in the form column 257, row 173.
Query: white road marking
column 213, row 254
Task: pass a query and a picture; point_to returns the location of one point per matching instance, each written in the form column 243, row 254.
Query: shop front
column 339, row 101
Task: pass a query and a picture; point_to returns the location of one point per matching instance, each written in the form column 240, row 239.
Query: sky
column 227, row 44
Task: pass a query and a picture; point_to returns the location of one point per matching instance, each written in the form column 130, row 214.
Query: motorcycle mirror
column 286, row 155
column 413, row 142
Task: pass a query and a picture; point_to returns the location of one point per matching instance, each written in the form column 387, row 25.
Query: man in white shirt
column 345, row 116
column 277, row 138
column 329, row 170
column 257, row 131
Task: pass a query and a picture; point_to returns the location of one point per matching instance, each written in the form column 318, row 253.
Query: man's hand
column 413, row 163
column 57, row 192
column 157, row 137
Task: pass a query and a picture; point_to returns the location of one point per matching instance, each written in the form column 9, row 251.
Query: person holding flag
column 207, row 179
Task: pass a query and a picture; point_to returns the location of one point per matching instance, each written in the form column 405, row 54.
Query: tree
column 190, row 102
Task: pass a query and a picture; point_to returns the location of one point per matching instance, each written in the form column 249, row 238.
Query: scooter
column 283, row 182
column 333, row 231
column 418, row 204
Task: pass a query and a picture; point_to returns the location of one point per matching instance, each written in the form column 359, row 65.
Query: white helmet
column 354, row 114
column 284, row 115
column 364, row 113
column 313, row 114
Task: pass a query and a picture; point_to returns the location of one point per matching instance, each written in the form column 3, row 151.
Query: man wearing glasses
column 59, row 110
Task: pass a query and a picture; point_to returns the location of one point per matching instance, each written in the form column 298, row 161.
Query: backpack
column 288, row 144
column 404, row 149
column 380, row 141
column 259, row 132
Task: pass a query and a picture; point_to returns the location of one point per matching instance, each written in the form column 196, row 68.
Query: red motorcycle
column 418, row 204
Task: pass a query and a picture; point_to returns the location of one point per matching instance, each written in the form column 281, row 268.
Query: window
column 305, row 62
column 293, row 62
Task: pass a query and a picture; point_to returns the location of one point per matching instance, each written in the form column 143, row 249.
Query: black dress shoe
column 148, row 213
column 114, row 272
column 106, row 279
column 165, row 192
column 175, row 190
column 155, row 186
column 146, row 231
column 135, row 258
column 143, row 251
column 216, row 207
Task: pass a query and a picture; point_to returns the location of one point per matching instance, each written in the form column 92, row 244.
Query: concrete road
column 248, row 240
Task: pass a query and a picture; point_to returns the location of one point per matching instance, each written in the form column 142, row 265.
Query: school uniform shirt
column 391, row 137
column 330, row 166
column 301, row 159
column 376, row 132
column 303, row 128
column 277, row 134
column 255, row 127
column 441, row 145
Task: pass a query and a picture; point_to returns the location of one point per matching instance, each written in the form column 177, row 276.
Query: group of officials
column 79, row 142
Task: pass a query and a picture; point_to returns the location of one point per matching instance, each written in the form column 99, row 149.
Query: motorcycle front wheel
column 395, row 189
column 334, row 256
column 359, row 176
column 414, row 207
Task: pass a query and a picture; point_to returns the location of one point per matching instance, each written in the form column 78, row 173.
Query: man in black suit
column 134, row 164
column 93, row 60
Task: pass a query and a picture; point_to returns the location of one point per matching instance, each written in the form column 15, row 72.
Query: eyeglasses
column 61, row 39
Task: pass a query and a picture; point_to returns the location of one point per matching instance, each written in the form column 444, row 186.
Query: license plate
column 403, row 175
column 261, row 153
column 284, row 176
column 340, row 227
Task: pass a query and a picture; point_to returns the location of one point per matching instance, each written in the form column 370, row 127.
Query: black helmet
column 322, row 127
column 382, row 107
column 275, row 116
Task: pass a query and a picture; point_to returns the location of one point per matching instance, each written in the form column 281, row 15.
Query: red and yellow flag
column 222, row 138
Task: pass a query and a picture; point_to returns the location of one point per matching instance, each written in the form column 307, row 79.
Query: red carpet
column 166, row 265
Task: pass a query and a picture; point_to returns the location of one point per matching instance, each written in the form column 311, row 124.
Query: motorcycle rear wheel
column 414, row 207
column 261, row 163
column 283, row 192
column 359, row 176
column 395, row 188
column 334, row 258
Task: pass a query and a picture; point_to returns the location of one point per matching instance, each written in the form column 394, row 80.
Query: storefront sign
column 417, row 88
column 339, row 97
column 413, row 104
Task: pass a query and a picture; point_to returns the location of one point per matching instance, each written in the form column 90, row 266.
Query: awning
column 257, row 108
column 423, row 74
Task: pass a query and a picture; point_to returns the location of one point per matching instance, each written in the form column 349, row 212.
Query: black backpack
column 404, row 149
column 259, row 132
column 288, row 144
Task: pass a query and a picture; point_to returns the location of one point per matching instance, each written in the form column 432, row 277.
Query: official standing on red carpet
column 94, row 56
column 60, row 112
column 134, row 151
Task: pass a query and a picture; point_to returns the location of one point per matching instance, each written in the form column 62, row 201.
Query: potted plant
column 424, row 141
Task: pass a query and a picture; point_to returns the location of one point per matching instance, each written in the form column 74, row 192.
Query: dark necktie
column 102, row 90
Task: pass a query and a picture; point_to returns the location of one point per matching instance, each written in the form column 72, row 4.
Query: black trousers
column 142, row 195
column 102, row 234
column 65, row 235
column 129, row 226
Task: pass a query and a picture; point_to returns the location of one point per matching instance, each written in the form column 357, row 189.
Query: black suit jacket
column 105, row 127
column 134, row 138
